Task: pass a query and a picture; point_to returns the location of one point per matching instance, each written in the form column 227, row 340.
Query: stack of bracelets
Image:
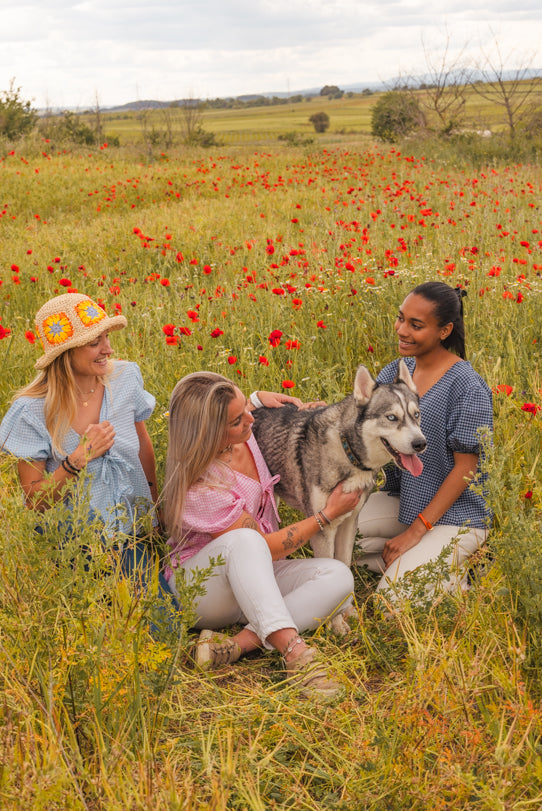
column 321, row 519
column 69, row 467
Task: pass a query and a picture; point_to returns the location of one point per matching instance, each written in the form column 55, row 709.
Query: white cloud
column 67, row 52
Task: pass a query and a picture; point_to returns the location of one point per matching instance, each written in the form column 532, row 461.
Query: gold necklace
column 84, row 403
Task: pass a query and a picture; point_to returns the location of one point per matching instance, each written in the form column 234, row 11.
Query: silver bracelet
column 255, row 400
column 319, row 521
column 324, row 516
column 296, row 640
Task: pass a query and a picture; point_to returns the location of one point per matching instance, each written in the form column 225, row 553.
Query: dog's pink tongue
column 412, row 463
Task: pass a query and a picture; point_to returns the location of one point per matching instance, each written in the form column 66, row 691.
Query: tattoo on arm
column 291, row 542
column 250, row 523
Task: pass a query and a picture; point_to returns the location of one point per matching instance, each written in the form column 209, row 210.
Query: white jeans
column 378, row 522
column 266, row 596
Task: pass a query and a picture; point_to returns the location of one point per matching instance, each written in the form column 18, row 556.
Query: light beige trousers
column 378, row 522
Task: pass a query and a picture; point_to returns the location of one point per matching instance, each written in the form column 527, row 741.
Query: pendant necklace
column 227, row 449
column 89, row 394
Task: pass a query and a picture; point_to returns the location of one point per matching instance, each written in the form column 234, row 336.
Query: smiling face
column 90, row 361
column 417, row 327
column 239, row 427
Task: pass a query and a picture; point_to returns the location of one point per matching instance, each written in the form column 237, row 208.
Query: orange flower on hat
column 89, row 313
column 57, row 328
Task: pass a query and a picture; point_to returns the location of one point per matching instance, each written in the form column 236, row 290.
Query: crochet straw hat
column 71, row 320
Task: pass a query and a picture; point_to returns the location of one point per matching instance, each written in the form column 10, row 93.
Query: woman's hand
column 340, row 502
column 272, row 399
column 97, row 439
column 397, row 546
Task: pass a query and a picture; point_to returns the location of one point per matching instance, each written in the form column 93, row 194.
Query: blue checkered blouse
column 119, row 491
column 453, row 411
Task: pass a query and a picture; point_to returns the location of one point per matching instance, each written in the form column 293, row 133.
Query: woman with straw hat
column 83, row 418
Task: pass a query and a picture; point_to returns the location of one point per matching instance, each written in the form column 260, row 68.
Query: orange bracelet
column 425, row 522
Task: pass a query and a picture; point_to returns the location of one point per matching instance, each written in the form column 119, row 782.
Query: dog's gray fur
column 380, row 422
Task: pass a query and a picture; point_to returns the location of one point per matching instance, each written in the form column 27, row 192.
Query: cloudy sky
column 65, row 53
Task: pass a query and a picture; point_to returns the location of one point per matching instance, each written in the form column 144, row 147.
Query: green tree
column 332, row 91
column 16, row 116
column 395, row 115
column 320, row 121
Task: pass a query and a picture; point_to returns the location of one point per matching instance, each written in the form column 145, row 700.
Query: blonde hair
column 57, row 387
column 198, row 423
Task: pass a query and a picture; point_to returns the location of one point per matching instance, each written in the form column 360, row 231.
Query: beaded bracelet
column 69, row 467
column 319, row 521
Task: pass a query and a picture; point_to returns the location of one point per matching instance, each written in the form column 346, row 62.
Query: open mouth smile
column 405, row 461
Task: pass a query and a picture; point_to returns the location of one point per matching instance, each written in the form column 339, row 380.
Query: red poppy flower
column 179, row 257
column 165, row 282
column 263, row 360
column 4, row 331
column 65, row 283
column 232, row 359
column 172, row 340
column 531, row 408
column 288, row 384
column 207, row 269
column 274, row 337
column 30, row 337
column 168, row 329
column 503, row 388
column 529, row 494
column 321, row 325
column 15, row 268
column 185, row 331
column 216, row 332
column 292, row 344
column 297, row 303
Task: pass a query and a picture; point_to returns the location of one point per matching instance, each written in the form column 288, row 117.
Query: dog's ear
column 403, row 376
column 364, row 385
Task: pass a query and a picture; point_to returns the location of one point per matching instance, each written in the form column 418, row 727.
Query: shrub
column 320, row 121
column 395, row 115
column 16, row 116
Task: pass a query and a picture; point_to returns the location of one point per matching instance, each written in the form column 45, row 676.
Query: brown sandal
column 214, row 650
column 311, row 674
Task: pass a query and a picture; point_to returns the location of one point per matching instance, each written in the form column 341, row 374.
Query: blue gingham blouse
column 453, row 411
column 119, row 491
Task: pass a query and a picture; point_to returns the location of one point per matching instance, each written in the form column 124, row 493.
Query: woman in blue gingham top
column 411, row 522
column 85, row 414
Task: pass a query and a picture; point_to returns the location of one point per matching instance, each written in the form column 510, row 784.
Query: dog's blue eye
column 392, row 417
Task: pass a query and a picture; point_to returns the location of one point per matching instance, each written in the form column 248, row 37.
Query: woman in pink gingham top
column 219, row 505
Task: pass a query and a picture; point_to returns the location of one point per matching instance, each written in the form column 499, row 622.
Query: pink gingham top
column 211, row 509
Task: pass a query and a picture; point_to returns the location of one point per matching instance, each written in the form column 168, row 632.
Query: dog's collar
column 352, row 458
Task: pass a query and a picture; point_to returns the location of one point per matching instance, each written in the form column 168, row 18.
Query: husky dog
column 314, row 449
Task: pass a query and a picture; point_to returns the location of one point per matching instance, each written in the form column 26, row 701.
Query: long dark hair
column 448, row 302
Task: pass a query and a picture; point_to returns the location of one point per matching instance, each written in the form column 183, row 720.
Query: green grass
column 442, row 708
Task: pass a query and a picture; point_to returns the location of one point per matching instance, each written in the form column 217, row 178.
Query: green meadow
column 349, row 115
column 206, row 252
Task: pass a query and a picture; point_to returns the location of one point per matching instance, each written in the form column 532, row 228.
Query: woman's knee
column 337, row 574
column 246, row 542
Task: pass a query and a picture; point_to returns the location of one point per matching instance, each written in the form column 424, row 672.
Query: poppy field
column 282, row 268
